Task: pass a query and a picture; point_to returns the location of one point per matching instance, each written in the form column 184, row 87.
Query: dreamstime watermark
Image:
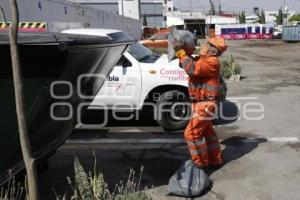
column 175, row 107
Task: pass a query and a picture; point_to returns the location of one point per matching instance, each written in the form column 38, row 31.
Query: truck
column 52, row 64
column 141, row 80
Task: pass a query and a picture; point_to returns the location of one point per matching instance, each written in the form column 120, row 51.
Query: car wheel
column 173, row 110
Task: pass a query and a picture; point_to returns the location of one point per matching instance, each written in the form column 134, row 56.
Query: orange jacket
column 204, row 76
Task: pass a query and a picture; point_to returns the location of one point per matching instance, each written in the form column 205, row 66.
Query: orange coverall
column 204, row 88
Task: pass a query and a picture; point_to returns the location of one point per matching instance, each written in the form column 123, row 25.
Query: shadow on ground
column 159, row 164
column 237, row 147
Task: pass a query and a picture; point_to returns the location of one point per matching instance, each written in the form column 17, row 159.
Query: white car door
column 122, row 88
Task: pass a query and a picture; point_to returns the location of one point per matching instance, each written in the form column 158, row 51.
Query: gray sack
column 188, row 181
column 178, row 39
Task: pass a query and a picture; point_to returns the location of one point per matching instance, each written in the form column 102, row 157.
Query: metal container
column 291, row 34
column 52, row 65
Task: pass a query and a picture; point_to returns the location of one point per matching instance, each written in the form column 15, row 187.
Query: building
column 270, row 16
column 152, row 10
column 63, row 14
column 198, row 21
column 187, row 20
column 252, row 19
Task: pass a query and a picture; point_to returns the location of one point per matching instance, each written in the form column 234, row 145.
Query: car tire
column 173, row 110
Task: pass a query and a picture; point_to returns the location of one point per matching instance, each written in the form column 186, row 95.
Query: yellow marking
column 43, row 25
column 3, row 25
column 34, row 25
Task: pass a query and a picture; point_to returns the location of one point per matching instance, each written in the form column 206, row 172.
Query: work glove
column 180, row 53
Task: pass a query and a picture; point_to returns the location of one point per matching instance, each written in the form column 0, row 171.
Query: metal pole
column 284, row 13
column 165, row 7
column 122, row 8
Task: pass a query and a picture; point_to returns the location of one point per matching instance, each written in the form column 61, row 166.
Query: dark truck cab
column 58, row 75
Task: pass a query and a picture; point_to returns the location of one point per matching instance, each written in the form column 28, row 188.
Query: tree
column 220, row 9
column 212, row 8
column 295, row 18
column 29, row 160
column 279, row 17
column 262, row 17
column 242, row 17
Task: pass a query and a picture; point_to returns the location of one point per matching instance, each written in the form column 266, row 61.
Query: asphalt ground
column 261, row 157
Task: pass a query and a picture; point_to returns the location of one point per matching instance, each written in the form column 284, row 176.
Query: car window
column 142, row 53
column 139, row 51
column 160, row 36
column 123, row 62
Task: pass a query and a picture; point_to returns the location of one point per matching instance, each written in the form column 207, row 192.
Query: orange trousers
column 202, row 140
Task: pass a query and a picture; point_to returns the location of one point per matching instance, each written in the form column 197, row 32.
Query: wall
column 152, row 10
column 62, row 14
column 153, row 13
column 130, row 8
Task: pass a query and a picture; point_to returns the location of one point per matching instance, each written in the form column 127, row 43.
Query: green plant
column 13, row 191
column 230, row 67
column 279, row 17
column 295, row 18
column 242, row 17
column 92, row 186
column 261, row 17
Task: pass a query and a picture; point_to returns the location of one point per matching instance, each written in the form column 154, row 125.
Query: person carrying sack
column 204, row 90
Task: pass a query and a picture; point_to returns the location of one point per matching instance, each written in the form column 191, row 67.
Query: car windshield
column 142, row 53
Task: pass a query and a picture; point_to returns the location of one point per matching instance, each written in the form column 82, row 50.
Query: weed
column 230, row 67
column 92, row 186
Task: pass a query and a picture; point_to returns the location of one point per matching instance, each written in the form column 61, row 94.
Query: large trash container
column 291, row 34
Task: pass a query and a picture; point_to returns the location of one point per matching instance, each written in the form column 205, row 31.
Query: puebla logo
column 113, row 78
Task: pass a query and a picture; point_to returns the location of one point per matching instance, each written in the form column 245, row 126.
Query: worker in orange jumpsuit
column 204, row 89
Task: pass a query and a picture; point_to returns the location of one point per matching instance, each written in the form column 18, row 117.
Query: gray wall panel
column 61, row 14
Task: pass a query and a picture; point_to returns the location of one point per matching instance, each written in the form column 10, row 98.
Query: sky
column 238, row 5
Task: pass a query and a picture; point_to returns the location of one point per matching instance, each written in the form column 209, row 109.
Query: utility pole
column 220, row 8
column 284, row 12
column 165, row 8
column 122, row 10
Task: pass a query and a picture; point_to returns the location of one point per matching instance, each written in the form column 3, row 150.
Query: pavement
column 260, row 144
